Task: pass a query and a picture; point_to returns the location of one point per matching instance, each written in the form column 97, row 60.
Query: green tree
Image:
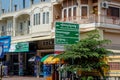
column 88, row 55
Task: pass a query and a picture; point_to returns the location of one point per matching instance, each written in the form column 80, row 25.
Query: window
column 69, row 2
column 64, row 3
column 65, row 14
column 114, row 65
column 74, row 13
column 69, row 12
column 94, row 1
column 113, row 11
column 44, row 18
column 47, row 17
column 84, row 11
column 28, row 22
column 34, row 19
column 3, row 29
column 39, row 18
column 21, row 27
column 84, row 1
column 74, row 2
column 95, row 10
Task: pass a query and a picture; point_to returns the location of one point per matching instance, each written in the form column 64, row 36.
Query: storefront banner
column 19, row 47
column 6, row 40
column 1, row 50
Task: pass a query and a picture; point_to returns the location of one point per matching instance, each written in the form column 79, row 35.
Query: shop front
column 20, row 55
column 17, row 59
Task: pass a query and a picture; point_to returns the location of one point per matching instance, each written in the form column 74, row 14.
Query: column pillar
column 14, row 26
column 99, row 11
column 101, row 33
column 20, row 64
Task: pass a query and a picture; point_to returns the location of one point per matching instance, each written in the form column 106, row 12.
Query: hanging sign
column 5, row 40
column 1, row 50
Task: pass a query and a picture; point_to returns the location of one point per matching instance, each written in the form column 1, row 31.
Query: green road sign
column 66, row 33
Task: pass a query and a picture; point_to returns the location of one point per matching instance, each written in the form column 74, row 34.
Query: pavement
column 22, row 78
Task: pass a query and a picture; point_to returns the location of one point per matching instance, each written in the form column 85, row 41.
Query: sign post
column 65, row 33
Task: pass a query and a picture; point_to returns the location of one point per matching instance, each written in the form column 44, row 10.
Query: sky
column 6, row 4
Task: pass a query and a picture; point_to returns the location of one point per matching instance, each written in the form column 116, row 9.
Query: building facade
column 36, row 26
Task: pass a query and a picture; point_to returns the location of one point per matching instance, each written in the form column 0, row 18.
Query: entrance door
column 29, row 65
column 13, row 66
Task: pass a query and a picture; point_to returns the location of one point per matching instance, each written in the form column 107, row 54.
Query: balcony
column 99, row 21
column 113, row 46
column 6, row 33
column 22, row 32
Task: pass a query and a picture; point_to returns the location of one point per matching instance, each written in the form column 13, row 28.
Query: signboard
column 19, row 47
column 1, row 50
column 6, row 40
column 66, row 33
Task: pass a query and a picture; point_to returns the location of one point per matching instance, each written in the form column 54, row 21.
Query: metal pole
column 1, row 70
column 59, row 72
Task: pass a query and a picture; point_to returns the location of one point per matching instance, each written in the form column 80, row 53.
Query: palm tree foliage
column 87, row 55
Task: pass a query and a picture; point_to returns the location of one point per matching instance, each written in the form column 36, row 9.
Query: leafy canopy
column 87, row 55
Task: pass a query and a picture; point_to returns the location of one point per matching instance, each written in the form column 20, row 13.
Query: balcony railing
column 110, row 20
column 6, row 33
column 92, row 19
column 79, row 19
column 113, row 46
column 22, row 32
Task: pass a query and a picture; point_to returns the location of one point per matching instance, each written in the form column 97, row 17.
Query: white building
column 35, row 25
column 32, row 26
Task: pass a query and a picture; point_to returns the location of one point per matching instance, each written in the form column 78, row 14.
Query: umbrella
column 49, row 59
column 34, row 58
column 56, row 61
column 45, row 57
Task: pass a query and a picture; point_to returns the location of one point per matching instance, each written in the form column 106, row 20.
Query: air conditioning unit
column 104, row 4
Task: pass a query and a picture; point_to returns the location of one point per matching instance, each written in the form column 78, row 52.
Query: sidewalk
column 22, row 78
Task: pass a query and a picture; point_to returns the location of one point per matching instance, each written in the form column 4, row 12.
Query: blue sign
column 1, row 50
column 5, row 40
column 46, row 70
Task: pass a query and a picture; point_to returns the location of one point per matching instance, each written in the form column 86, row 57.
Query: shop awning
column 49, row 59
